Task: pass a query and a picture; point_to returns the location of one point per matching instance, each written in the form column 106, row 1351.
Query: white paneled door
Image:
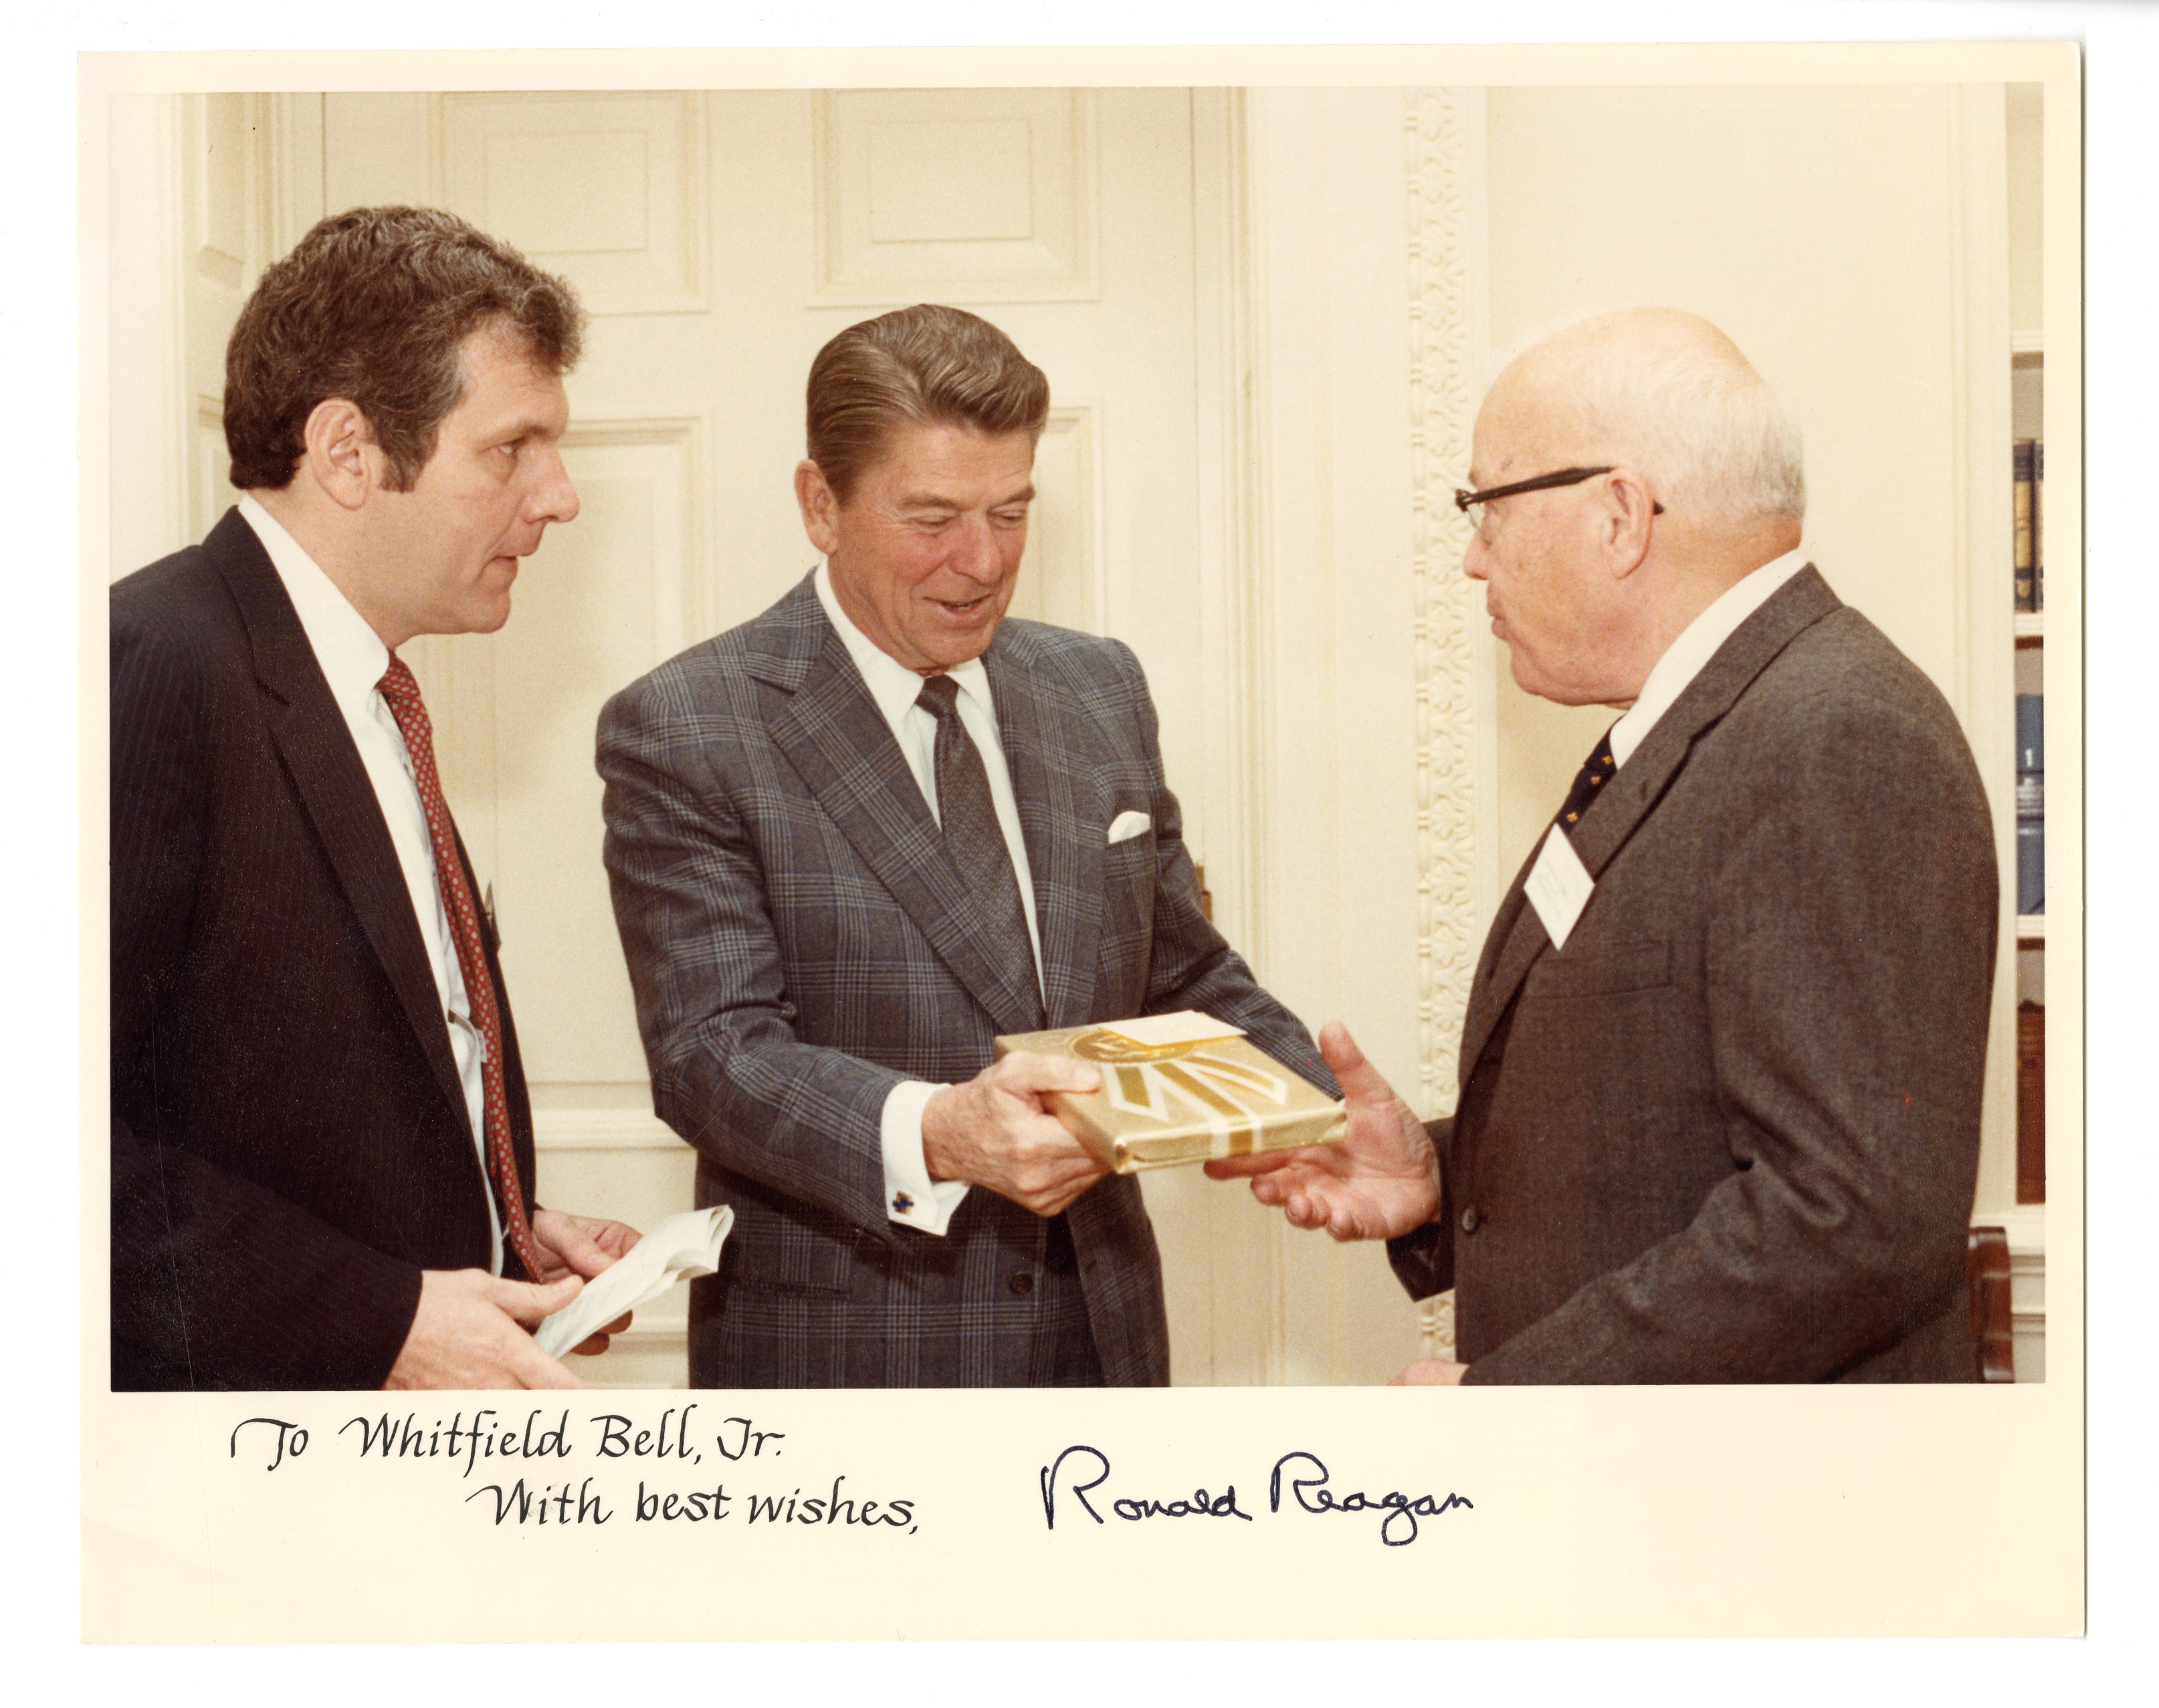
column 718, row 239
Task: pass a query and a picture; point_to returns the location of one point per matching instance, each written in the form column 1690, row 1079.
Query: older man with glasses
column 1721, row 1072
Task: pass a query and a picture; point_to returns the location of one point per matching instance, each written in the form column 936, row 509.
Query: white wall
column 1337, row 927
column 1814, row 225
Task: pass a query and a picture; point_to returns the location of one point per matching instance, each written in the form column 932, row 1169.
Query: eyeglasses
column 1463, row 498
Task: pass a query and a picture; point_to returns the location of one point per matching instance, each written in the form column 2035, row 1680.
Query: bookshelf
column 2005, row 292
column 2023, row 140
column 2028, row 422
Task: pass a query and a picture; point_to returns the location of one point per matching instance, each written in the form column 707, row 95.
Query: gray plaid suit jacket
column 800, row 943
column 1730, row 1131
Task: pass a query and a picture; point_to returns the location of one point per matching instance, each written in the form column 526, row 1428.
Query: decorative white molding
column 683, row 601
column 135, row 273
column 1063, row 577
column 963, row 196
column 293, row 140
column 1448, row 710
column 662, row 153
column 643, row 1355
column 667, row 1332
column 216, row 190
column 602, row 1130
column 1236, row 613
column 1236, row 664
column 1434, row 1318
column 228, row 163
column 210, row 465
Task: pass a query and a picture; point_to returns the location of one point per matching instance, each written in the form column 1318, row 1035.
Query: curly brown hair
column 927, row 364
column 375, row 305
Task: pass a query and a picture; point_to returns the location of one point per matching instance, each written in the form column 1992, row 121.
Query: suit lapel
column 1062, row 818
column 1515, row 937
column 324, row 766
column 1620, row 808
column 833, row 734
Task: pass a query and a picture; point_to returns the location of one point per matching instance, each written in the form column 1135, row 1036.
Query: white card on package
column 1559, row 886
column 679, row 1249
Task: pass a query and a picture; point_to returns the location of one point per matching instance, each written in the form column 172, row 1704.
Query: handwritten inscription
column 1309, row 1485
column 483, row 1436
column 537, row 1470
column 518, row 1504
column 531, row 1487
column 291, row 1440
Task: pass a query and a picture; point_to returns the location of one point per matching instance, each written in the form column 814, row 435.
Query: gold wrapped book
column 1180, row 1088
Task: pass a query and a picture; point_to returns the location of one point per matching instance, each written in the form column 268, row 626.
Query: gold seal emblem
column 1100, row 1044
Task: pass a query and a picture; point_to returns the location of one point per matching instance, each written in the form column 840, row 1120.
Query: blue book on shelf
column 2030, row 804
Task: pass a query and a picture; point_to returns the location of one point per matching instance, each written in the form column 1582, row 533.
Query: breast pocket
column 1128, row 879
column 1594, row 1059
column 1130, row 859
column 1600, row 970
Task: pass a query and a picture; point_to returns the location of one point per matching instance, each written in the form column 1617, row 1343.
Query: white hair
column 1682, row 405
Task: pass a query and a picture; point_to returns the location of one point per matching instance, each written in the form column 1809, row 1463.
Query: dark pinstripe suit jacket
column 800, row 943
column 1729, row 1133
column 290, row 1144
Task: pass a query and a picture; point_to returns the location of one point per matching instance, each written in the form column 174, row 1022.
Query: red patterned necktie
column 398, row 687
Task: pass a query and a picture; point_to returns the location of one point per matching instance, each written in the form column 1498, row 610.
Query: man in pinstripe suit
column 321, row 1144
column 857, row 838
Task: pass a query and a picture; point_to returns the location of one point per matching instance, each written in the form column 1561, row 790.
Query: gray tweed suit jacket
column 1730, row 1131
column 800, row 943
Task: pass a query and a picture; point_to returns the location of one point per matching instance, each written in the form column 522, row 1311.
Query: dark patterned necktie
column 976, row 840
column 1596, row 772
column 403, row 694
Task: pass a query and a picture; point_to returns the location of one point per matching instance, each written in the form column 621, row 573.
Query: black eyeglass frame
column 1463, row 498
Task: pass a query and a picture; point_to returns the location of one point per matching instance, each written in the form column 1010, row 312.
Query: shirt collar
column 1696, row 645
column 892, row 685
column 351, row 653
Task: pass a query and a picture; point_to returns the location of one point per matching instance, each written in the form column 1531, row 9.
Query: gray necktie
column 977, row 841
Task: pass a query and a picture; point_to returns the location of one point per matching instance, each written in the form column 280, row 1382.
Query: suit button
column 1021, row 1284
column 1470, row 1219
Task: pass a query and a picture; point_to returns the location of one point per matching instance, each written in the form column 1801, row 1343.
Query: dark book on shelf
column 2023, row 461
column 2030, row 804
column 2031, row 1104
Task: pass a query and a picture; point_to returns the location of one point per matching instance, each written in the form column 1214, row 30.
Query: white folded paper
column 679, row 1249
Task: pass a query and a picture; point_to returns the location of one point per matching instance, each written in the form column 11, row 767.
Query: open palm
column 1382, row 1180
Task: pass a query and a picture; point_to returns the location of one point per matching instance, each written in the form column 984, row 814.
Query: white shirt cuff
column 911, row 1197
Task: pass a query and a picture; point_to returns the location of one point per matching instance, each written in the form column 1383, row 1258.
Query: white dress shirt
column 910, row 1195
column 1696, row 645
column 353, row 659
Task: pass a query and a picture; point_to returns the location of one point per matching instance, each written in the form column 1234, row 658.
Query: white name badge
column 1559, row 886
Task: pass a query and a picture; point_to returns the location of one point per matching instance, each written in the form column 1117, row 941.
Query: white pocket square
column 1127, row 825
